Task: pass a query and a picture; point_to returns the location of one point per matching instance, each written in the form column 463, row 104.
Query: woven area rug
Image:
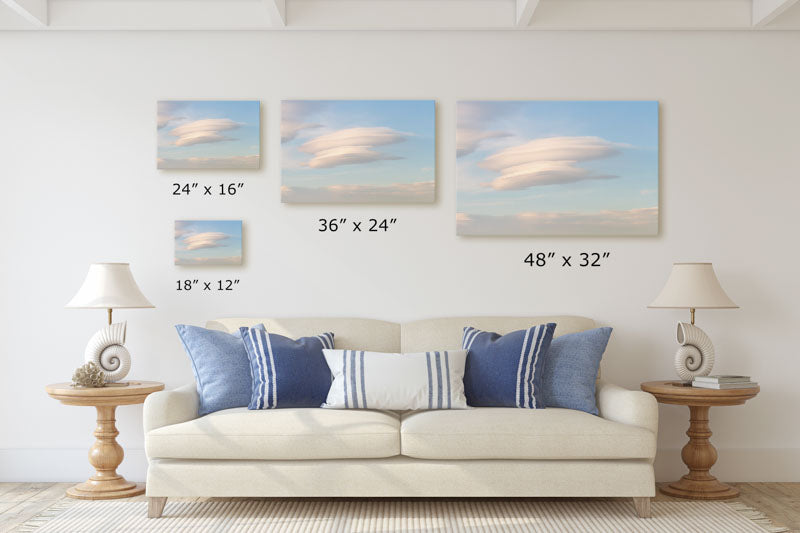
column 566, row 516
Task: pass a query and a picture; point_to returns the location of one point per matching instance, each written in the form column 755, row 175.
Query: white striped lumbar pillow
column 396, row 381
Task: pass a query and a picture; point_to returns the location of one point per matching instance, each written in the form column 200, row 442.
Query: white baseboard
column 72, row 465
column 737, row 464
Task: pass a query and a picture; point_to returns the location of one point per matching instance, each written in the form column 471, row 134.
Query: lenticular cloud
column 351, row 146
column 547, row 161
column 210, row 239
column 207, row 130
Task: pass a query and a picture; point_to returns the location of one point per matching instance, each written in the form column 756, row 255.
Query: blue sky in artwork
column 588, row 157
column 209, row 134
column 364, row 146
column 208, row 242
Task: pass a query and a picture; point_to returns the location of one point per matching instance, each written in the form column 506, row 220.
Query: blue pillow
column 286, row 372
column 571, row 369
column 220, row 365
column 506, row 371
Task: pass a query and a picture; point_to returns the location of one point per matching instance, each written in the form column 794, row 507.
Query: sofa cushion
column 510, row 433
column 279, row 434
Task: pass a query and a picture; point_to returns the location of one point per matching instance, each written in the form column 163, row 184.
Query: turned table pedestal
column 698, row 454
column 106, row 454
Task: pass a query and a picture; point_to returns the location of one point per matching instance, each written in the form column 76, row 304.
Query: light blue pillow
column 506, row 370
column 571, row 367
column 286, row 372
column 220, row 365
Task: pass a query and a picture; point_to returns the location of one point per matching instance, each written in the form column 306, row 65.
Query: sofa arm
column 635, row 408
column 170, row 407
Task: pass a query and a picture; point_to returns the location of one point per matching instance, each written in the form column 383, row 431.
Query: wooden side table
column 106, row 454
column 698, row 454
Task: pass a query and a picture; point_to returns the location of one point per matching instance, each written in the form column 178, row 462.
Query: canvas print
column 209, row 134
column 557, row 168
column 358, row 151
column 208, row 242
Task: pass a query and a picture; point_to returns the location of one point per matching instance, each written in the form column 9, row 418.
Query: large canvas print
column 209, row 134
column 358, row 151
column 208, row 242
column 557, row 168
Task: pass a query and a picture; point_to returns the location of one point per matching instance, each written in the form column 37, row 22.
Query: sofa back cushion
column 447, row 333
column 351, row 333
column 417, row 336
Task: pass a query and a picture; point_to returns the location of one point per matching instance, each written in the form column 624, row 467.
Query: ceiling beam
column 527, row 15
column 642, row 15
column 399, row 15
column 277, row 11
column 34, row 11
column 765, row 11
column 525, row 9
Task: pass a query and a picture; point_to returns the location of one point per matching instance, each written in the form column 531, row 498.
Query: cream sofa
column 480, row 452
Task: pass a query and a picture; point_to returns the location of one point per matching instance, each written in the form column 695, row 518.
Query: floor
column 21, row 501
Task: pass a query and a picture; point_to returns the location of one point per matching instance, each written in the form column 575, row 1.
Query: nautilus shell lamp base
column 695, row 356
column 107, row 350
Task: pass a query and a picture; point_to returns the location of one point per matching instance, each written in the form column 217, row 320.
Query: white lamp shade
column 693, row 285
column 109, row 286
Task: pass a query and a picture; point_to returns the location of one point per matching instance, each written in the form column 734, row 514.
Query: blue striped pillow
column 286, row 372
column 506, row 370
column 401, row 382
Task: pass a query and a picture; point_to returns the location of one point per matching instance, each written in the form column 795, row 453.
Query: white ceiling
column 399, row 14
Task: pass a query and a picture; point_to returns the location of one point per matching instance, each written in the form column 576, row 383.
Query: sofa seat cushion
column 281, row 434
column 509, row 433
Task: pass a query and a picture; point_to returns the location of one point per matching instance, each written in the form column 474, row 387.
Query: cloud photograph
column 208, row 242
column 358, row 151
column 557, row 168
column 209, row 134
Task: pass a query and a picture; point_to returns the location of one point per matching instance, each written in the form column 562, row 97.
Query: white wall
column 79, row 184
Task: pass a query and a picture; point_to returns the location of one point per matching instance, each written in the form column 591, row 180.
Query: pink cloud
column 232, row 162
column 468, row 140
column 639, row 221
column 424, row 191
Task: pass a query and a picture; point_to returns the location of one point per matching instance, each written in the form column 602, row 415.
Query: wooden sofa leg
column 642, row 506
column 155, row 506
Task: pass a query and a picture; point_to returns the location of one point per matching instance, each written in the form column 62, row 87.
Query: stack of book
column 723, row 382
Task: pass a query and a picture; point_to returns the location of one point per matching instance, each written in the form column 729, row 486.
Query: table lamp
column 109, row 286
column 693, row 286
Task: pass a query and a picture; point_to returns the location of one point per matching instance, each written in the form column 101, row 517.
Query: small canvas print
column 557, row 168
column 358, row 151
column 208, row 242
column 209, row 134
